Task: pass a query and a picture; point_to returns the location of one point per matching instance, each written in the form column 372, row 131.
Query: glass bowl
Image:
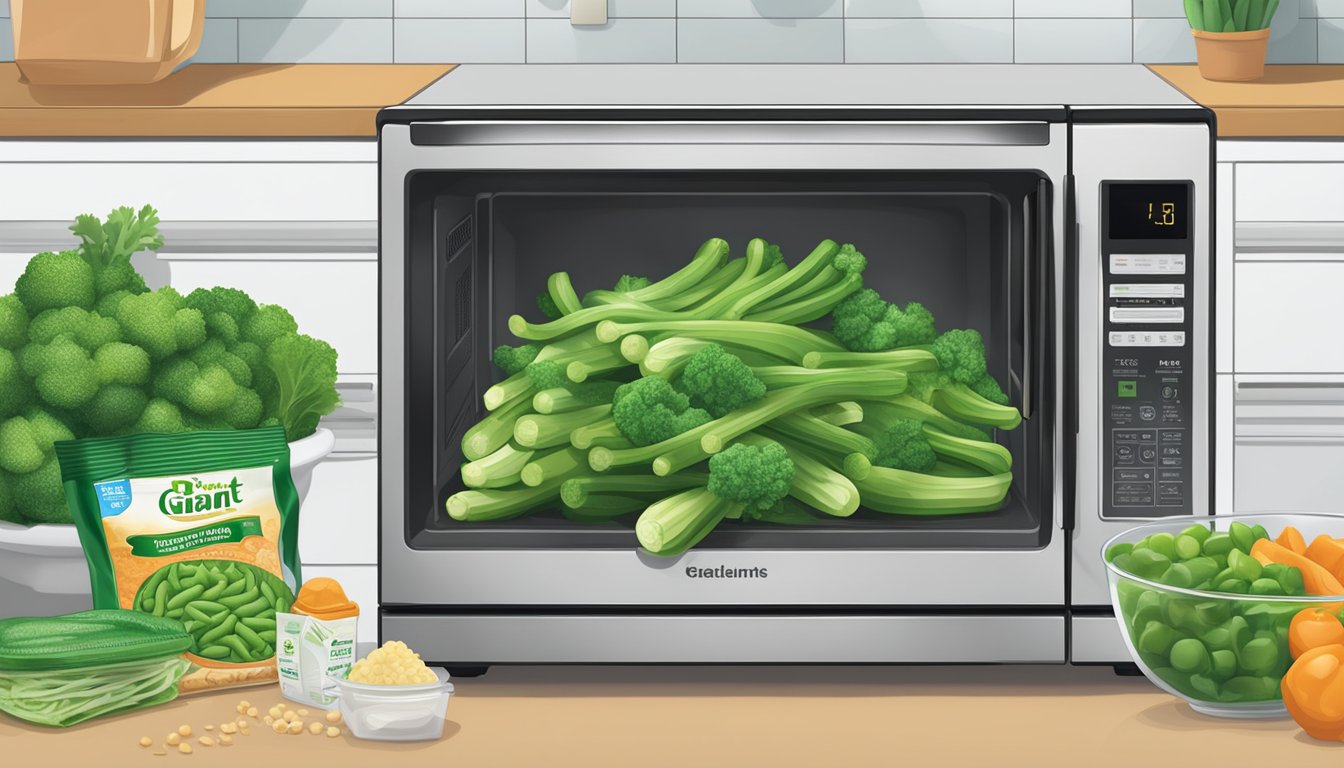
column 1239, row 653
column 395, row 712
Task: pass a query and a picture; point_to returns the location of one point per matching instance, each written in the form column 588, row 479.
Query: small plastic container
column 395, row 712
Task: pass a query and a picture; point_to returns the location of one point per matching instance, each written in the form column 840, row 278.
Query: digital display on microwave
column 1149, row 211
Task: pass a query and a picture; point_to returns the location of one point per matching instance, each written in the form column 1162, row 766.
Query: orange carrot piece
column 1329, row 553
column 1315, row 577
column 1291, row 538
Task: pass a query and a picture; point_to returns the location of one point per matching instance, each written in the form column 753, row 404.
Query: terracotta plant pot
column 104, row 42
column 1231, row 55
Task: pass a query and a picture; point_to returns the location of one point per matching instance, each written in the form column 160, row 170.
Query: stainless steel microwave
column 1063, row 212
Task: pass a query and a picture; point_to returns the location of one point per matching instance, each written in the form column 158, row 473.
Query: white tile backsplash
column 931, row 9
column 1073, row 9
column 764, row 31
column 619, row 41
column 460, row 9
column 364, row 41
column 1073, row 41
column 616, row 9
column 751, row 9
column 1163, row 41
column 928, row 41
column 807, row 41
column 469, row 41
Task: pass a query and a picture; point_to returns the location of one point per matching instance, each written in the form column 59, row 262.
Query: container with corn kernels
column 392, row 696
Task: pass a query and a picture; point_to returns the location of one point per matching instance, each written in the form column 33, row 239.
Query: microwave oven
column 1065, row 213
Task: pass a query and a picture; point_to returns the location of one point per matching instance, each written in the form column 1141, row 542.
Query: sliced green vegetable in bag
column 63, row 670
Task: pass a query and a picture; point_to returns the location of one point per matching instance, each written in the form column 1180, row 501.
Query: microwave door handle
column 1033, row 320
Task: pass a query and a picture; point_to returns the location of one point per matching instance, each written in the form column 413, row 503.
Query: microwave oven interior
column 974, row 248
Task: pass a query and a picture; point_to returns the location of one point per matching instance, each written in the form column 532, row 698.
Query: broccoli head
column 89, row 329
column 63, row 373
column 121, row 363
column 903, row 445
column 119, row 278
column 305, row 374
column 514, row 359
column 628, row 283
column 224, row 309
column 202, row 390
column 719, row 382
column 215, row 351
column 115, row 407
column 244, row 412
column 849, row 260
column 961, row 353
column 39, row 495
column 53, row 280
column 756, row 476
column 548, row 306
column 13, row 322
column 9, row 513
column 15, row 391
column 160, row 323
column 648, row 410
column 161, row 416
column 865, row 322
column 26, row 442
column 267, row 324
column 547, row 375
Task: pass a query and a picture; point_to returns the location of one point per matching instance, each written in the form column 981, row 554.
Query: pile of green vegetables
column 707, row 396
column 88, row 350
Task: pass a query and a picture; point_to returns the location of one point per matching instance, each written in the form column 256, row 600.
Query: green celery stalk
column 896, row 491
column 675, row 524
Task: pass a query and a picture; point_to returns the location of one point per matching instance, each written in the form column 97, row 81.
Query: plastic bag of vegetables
column 88, row 350
column 63, row 670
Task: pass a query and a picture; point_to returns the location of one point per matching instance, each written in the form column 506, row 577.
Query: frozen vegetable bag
column 201, row 527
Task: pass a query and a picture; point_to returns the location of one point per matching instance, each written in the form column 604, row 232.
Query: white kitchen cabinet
column 1280, row 412
column 292, row 223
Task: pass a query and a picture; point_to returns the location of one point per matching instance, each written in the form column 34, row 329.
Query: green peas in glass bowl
column 1203, row 617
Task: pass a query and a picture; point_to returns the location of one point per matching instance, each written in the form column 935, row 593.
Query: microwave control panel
column 1147, row 252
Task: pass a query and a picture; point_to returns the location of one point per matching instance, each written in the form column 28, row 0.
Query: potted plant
column 1231, row 36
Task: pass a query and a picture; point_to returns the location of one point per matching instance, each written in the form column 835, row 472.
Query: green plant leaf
column 1230, row 26
column 1270, row 7
column 1255, row 15
column 1213, row 16
column 1239, row 14
column 1194, row 13
column 1225, row 8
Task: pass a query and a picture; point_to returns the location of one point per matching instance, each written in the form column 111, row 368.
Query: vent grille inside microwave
column 462, row 305
column 459, row 238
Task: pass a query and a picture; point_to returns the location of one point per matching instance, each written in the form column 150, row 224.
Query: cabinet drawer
column 1290, row 191
column 202, row 191
column 333, row 297
column 1289, row 444
column 339, row 520
column 1287, row 316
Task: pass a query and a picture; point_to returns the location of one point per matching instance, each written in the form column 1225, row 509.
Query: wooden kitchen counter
column 773, row 717
column 217, row 100
column 1293, row 100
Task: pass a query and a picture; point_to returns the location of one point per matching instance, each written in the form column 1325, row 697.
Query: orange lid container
column 323, row 598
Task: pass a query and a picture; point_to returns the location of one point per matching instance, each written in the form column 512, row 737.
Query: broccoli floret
column 53, row 280
column 225, row 310
column 203, row 390
column 305, row 373
column 158, row 322
column 160, row 416
column 121, row 363
column 514, row 359
column 20, row 451
column 107, row 305
column 903, row 445
column 719, row 382
column 755, row 476
column 244, row 412
column 89, row 329
column 39, row 495
column 628, row 283
column 63, row 373
column 119, row 278
column 15, row 391
column 864, row 322
column 546, row 375
column 13, row 322
column 548, row 306
column 961, row 354
column 114, row 407
column 267, row 324
column 215, row 351
column 648, row 411
column 849, row 260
